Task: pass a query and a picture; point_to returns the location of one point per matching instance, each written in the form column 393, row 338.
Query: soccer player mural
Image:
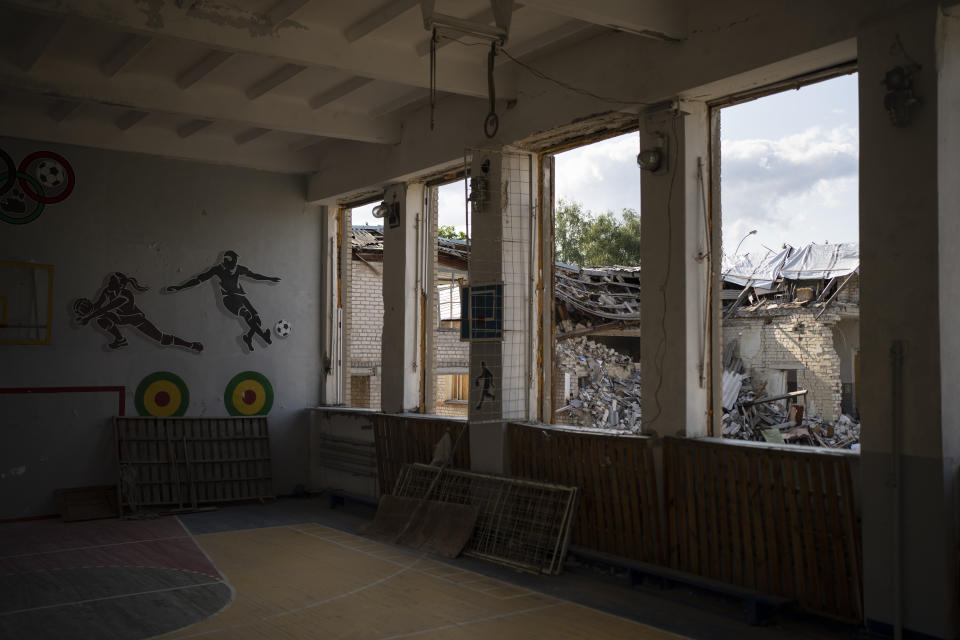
column 116, row 307
column 228, row 274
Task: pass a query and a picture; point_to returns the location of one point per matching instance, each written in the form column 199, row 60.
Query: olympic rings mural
column 43, row 178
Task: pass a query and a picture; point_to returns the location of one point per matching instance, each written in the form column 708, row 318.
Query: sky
column 789, row 169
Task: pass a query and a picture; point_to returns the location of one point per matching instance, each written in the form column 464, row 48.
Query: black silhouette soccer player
column 116, row 307
column 487, row 377
column 234, row 298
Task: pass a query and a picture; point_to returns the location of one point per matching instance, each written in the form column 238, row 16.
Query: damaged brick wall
column 366, row 331
column 366, row 327
column 792, row 340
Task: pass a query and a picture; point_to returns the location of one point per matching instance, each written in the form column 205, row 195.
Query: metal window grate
column 522, row 523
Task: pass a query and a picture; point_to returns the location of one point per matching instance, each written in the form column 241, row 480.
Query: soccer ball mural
column 50, row 173
column 283, row 328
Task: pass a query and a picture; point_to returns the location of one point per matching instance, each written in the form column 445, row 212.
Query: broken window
column 452, row 253
column 788, row 165
column 596, row 373
column 363, row 321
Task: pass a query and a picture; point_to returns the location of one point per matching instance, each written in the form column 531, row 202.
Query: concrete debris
column 607, row 386
column 755, row 416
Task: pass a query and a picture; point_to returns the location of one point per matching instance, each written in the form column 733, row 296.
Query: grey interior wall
column 161, row 221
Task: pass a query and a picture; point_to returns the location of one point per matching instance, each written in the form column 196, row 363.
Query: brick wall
column 365, row 329
column 792, row 339
column 366, row 324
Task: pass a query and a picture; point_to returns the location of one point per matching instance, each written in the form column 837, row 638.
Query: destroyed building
column 793, row 318
column 597, row 356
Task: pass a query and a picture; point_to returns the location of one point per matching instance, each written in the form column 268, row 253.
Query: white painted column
column 909, row 236
column 503, row 231
column 329, row 336
column 400, row 386
column 675, row 346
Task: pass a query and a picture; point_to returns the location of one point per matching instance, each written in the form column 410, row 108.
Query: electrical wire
column 543, row 76
column 662, row 347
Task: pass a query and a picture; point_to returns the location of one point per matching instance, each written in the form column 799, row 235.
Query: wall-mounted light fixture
column 654, row 158
column 390, row 211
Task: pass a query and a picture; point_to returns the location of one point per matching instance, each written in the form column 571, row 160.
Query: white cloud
column 603, row 176
column 796, row 189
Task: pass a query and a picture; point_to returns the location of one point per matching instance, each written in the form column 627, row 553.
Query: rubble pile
column 754, row 416
column 608, row 394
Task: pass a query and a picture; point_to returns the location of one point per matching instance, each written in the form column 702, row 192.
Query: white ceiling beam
column 157, row 141
column 284, row 9
column 399, row 103
column 544, row 40
column 204, row 66
column 338, row 91
column 124, row 54
column 378, row 18
column 305, row 143
column 273, row 80
column 662, row 19
column 192, row 127
column 250, row 135
column 36, row 40
column 204, row 101
column 130, row 118
column 311, row 44
column 61, row 109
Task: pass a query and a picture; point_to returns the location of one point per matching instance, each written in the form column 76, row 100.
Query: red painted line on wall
column 120, row 391
column 49, row 516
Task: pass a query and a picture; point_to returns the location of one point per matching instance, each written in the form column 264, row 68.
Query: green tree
column 449, row 231
column 590, row 241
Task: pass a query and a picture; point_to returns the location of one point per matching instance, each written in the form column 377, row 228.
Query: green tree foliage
column 587, row 240
column 449, row 231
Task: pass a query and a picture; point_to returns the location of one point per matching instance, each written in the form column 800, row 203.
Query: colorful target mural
column 162, row 394
column 43, row 178
column 248, row 394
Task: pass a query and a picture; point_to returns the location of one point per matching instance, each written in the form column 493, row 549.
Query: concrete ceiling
column 265, row 83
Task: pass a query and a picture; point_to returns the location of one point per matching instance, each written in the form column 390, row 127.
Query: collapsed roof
column 599, row 293
column 812, row 262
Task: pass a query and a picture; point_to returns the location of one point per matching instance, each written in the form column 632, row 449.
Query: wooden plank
column 836, row 537
column 617, row 497
column 852, row 539
column 603, row 522
column 705, row 527
column 796, row 528
column 773, row 540
column 648, row 549
column 675, row 519
column 724, row 521
column 762, row 565
column 707, row 522
column 788, row 561
column 689, row 494
column 822, row 539
column 736, row 536
column 632, row 475
column 588, row 501
column 811, row 597
column 749, row 550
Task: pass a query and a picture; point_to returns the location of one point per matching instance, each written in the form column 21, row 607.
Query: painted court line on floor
column 467, row 623
column 441, row 572
column 93, row 546
column 116, row 597
column 306, row 607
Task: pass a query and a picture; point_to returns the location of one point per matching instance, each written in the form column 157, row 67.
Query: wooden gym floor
column 138, row 579
column 309, row 580
column 297, row 569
